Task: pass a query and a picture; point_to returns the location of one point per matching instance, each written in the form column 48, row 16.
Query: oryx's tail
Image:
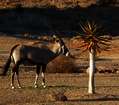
column 7, row 64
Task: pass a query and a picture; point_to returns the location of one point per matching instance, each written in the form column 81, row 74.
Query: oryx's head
column 62, row 47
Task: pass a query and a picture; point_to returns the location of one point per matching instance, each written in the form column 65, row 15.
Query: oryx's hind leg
column 17, row 74
column 15, row 71
column 43, row 75
column 12, row 79
column 37, row 76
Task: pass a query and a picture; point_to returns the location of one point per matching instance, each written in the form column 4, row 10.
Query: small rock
column 60, row 97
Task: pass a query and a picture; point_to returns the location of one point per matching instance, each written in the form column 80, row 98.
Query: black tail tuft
column 6, row 67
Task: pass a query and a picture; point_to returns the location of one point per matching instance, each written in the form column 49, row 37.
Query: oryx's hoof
column 19, row 87
column 44, row 86
column 13, row 87
column 35, row 86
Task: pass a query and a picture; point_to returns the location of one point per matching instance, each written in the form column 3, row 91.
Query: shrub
column 61, row 64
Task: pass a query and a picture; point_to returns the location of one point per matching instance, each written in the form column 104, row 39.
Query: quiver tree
column 93, row 41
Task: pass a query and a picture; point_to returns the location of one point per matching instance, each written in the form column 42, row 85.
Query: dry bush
column 61, row 64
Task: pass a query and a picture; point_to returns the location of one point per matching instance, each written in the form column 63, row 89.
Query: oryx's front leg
column 43, row 80
column 36, row 79
column 12, row 80
column 37, row 76
column 43, row 76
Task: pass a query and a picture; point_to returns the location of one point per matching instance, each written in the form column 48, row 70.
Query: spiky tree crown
column 93, row 38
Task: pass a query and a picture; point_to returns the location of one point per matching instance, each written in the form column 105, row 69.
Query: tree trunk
column 91, row 87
